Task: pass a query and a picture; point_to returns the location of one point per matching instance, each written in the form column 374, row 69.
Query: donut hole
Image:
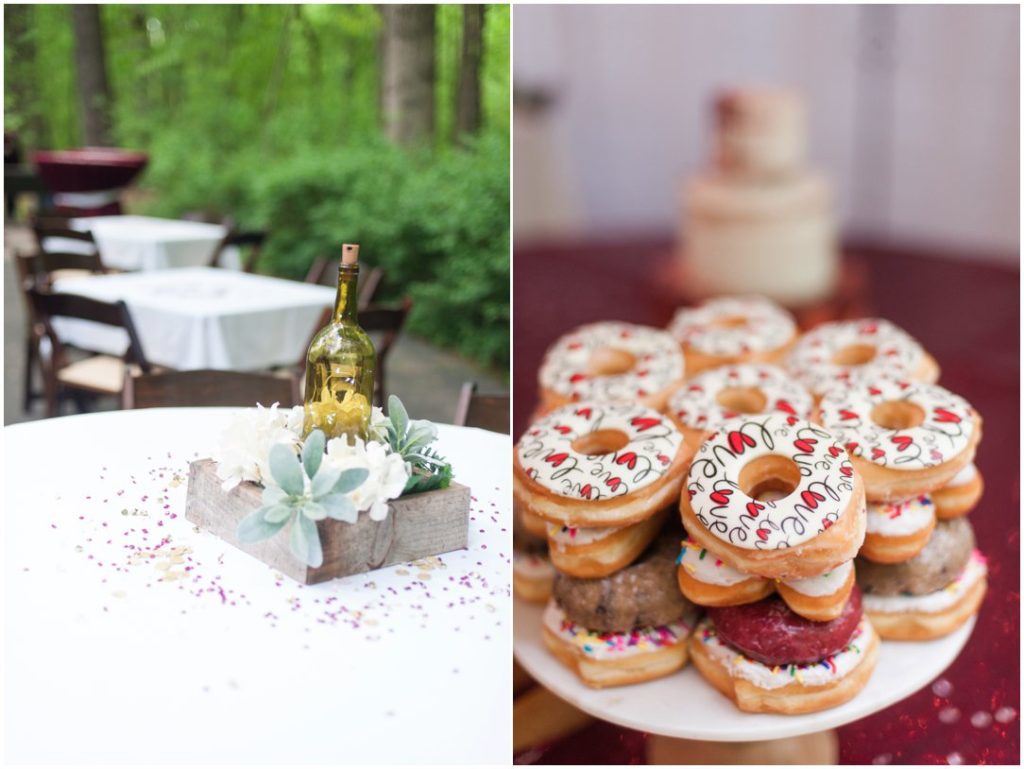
column 742, row 400
column 769, row 478
column 610, row 361
column 600, row 442
column 731, row 321
column 897, row 415
column 854, row 355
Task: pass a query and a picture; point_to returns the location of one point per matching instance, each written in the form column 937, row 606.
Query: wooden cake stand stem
column 816, row 748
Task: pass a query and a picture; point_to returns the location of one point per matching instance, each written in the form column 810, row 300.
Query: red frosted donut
column 770, row 632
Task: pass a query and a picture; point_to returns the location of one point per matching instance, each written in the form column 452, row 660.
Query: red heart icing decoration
column 762, row 533
column 577, row 378
column 585, row 491
column 663, row 459
column 739, row 441
column 834, row 451
column 903, row 441
column 876, row 453
column 628, row 459
column 645, row 423
column 847, row 414
column 563, row 429
column 812, row 498
column 806, row 445
column 585, row 413
column 944, row 415
column 784, row 405
column 754, row 508
column 874, row 391
column 557, row 459
column 721, row 496
column 613, row 483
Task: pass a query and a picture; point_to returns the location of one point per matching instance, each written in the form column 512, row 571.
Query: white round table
column 203, row 654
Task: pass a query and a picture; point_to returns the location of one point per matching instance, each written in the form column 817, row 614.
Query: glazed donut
column 904, row 438
column 816, row 519
column 733, row 329
column 532, row 576
column 858, row 351
column 708, row 581
column 629, row 627
column 720, row 394
column 603, row 659
column 931, row 615
column 897, row 532
column 599, row 465
column 592, row 552
column 833, row 672
column 960, row 495
column 611, row 362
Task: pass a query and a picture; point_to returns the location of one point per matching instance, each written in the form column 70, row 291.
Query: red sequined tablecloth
column 967, row 314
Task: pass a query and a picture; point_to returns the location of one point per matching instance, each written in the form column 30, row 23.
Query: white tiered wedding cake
column 760, row 221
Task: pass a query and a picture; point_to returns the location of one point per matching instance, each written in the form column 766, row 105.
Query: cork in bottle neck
column 349, row 254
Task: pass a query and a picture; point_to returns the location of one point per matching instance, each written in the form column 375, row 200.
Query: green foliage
column 288, row 502
column 269, row 114
column 411, row 439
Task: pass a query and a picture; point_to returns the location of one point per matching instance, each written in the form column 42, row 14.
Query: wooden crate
column 417, row 526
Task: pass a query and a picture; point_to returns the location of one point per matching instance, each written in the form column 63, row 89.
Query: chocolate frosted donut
column 644, row 594
column 943, row 558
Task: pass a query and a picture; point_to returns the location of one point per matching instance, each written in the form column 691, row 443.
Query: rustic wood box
column 417, row 526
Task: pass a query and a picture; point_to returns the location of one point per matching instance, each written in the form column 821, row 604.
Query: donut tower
column 759, row 220
column 821, row 480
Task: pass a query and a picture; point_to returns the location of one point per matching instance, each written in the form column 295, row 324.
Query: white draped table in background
column 202, row 317
column 142, row 243
column 209, row 655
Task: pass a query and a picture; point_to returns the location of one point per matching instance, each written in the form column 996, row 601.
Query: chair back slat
column 324, row 272
column 251, row 239
column 208, row 388
column 489, row 412
column 46, row 306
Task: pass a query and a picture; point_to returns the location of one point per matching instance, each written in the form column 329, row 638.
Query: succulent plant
column 411, row 438
column 306, row 491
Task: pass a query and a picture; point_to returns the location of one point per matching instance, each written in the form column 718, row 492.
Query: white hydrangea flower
column 388, row 473
column 244, row 450
column 378, row 425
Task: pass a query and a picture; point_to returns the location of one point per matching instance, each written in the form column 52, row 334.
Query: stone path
column 427, row 379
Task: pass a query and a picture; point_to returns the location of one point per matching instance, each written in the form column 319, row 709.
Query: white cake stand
column 684, row 706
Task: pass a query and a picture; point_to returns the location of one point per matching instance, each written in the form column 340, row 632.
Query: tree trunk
column 407, row 68
column 21, row 79
column 91, row 73
column 467, row 105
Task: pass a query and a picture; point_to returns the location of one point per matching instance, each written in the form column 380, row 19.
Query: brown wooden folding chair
column 490, row 412
column 252, row 240
column 324, row 272
column 97, row 374
column 208, row 388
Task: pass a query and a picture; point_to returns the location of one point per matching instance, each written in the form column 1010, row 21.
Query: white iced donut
column 775, row 497
column 611, row 362
column 733, row 329
column 904, row 438
column 720, row 394
column 599, row 465
column 896, row 532
column 857, row 351
column 707, row 580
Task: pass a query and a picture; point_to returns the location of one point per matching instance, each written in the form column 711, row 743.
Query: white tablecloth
column 203, row 317
column 149, row 243
column 110, row 657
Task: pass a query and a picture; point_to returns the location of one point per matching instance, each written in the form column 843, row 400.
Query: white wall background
column 914, row 112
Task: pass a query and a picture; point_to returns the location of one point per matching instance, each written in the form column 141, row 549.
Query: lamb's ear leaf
column 398, row 415
column 339, row 507
column 313, row 452
column 286, row 470
column 305, row 541
column 276, row 513
column 350, row 480
column 255, row 528
column 325, row 479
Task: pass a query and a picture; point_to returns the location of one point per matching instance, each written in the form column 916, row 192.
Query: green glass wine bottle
column 340, row 363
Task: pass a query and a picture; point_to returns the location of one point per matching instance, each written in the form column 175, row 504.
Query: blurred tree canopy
column 272, row 114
